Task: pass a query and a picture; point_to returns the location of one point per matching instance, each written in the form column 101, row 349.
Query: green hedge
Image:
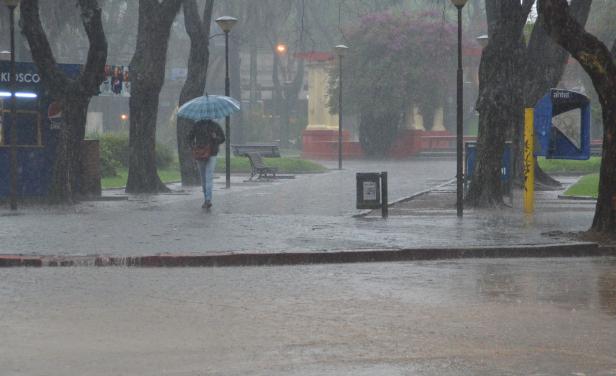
column 114, row 154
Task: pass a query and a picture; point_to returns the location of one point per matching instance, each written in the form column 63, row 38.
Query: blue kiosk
column 36, row 122
column 562, row 125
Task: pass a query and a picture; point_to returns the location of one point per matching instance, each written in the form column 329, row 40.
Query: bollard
column 529, row 161
column 384, row 198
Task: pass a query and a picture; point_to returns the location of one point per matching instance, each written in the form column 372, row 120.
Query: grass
column 587, row 186
column 166, row 175
column 284, row 165
column 563, row 166
column 238, row 165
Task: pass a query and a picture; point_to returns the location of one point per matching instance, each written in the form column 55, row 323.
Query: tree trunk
column 68, row 154
column 199, row 32
column 148, row 70
column 73, row 94
column 598, row 62
column 500, row 97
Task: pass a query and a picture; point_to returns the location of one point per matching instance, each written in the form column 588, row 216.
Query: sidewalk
column 309, row 219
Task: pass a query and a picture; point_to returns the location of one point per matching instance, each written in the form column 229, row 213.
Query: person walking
column 205, row 138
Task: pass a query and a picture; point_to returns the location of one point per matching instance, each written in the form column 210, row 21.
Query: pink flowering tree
column 395, row 60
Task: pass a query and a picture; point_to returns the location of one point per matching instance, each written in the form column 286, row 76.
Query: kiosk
column 562, row 125
column 36, row 131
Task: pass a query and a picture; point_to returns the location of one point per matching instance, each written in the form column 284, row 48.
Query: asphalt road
column 470, row 317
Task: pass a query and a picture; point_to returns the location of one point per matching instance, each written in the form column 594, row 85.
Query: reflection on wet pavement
column 466, row 317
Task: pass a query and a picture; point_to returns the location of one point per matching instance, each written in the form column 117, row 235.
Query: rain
column 307, row 187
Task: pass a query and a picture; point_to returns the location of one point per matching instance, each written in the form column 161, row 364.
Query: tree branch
column 593, row 55
column 192, row 23
column 93, row 73
column 40, row 48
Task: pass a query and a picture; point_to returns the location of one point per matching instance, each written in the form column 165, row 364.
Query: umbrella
column 209, row 107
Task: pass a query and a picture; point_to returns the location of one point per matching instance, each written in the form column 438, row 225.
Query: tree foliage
column 391, row 66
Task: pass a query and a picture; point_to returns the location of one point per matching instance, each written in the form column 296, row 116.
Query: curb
column 303, row 258
column 582, row 198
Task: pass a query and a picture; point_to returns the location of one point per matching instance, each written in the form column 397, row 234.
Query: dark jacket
column 206, row 132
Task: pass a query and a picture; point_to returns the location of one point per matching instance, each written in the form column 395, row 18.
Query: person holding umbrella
column 206, row 135
column 204, row 139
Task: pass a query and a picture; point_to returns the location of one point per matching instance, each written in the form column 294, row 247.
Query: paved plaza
column 312, row 212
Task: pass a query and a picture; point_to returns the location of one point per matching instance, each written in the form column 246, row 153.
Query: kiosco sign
column 21, row 77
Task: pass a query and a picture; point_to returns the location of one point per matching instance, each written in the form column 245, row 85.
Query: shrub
column 164, row 156
column 109, row 165
column 117, row 145
column 115, row 153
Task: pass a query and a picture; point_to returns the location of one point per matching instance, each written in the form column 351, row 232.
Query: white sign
column 370, row 191
column 21, row 77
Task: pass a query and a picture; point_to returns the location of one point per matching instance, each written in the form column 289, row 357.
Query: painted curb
column 325, row 257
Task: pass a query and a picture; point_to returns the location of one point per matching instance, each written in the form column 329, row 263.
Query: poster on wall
column 116, row 82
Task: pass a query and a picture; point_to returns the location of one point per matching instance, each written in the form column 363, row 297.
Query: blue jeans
column 206, row 170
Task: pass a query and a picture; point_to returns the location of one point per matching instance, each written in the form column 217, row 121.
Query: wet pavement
column 313, row 212
column 463, row 317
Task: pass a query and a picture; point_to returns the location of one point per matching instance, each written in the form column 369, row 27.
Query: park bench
column 259, row 168
column 265, row 150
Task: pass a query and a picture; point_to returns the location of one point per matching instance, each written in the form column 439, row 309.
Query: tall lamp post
column 12, row 4
column 459, row 128
column 226, row 23
column 341, row 50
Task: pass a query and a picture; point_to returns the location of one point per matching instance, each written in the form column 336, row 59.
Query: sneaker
column 206, row 205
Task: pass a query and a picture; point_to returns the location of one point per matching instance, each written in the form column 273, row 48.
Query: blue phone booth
column 37, row 121
column 562, row 125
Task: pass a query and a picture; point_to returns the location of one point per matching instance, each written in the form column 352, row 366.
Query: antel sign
column 21, row 77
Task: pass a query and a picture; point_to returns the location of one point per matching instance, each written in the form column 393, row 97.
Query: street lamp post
column 226, row 23
column 341, row 50
column 12, row 4
column 459, row 128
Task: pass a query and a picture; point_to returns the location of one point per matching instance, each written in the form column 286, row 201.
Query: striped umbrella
column 209, row 107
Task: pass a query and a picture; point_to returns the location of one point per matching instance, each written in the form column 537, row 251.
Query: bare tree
column 148, row 74
column 73, row 94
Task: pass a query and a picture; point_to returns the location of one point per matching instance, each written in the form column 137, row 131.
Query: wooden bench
column 259, row 168
column 265, row 150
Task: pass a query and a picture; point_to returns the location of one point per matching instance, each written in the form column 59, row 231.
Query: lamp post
column 226, row 23
column 12, row 4
column 459, row 128
column 281, row 101
column 341, row 50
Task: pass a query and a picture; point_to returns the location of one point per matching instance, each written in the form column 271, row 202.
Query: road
column 464, row 317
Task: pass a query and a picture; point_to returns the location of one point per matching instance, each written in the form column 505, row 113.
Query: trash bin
column 368, row 190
